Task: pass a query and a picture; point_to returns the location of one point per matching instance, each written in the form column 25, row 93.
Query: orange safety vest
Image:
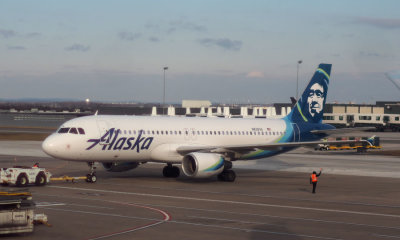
column 314, row 178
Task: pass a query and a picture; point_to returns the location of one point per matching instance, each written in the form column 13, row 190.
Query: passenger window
column 73, row 131
column 63, row 130
column 81, row 131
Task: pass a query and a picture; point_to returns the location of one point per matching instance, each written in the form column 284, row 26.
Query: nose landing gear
column 91, row 177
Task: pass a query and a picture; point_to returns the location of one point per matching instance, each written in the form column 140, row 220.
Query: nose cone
column 49, row 146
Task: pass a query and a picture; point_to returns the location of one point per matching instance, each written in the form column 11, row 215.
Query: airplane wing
column 247, row 148
column 342, row 130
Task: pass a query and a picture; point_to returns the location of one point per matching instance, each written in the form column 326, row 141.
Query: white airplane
column 204, row 147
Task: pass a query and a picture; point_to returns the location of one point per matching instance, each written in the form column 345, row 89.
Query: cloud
column 224, row 43
column 33, row 34
column 77, row 47
column 5, row 33
column 385, row 23
column 129, row 36
column 175, row 26
column 154, row 39
column 369, row 54
column 255, row 74
column 187, row 25
column 16, row 48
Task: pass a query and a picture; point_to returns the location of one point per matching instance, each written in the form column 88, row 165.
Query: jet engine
column 119, row 167
column 202, row 165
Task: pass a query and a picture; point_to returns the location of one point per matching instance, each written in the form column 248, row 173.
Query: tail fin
column 310, row 107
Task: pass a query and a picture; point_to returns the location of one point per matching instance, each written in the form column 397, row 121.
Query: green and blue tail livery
column 310, row 107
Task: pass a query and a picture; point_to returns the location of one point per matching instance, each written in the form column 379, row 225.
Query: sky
column 224, row 51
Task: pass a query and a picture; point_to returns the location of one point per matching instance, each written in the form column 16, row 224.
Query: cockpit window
column 81, row 131
column 63, row 130
column 73, row 131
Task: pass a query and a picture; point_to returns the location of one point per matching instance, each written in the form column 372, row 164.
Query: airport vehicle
column 204, row 147
column 22, row 176
column 370, row 143
column 16, row 212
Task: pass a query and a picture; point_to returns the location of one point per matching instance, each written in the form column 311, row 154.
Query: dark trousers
column 314, row 186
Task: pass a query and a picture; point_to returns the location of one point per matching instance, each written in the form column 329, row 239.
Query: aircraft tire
column 175, row 172
column 91, row 178
column 171, row 172
column 227, row 176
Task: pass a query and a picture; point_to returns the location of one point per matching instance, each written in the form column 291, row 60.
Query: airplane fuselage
column 134, row 138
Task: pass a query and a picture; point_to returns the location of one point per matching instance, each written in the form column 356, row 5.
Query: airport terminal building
column 382, row 115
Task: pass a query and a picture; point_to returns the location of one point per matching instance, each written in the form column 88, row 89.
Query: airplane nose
column 49, row 147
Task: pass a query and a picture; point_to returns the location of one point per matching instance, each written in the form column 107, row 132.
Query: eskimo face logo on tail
column 315, row 100
column 112, row 141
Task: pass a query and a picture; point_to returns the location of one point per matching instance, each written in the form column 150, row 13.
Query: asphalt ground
column 260, row 204
column 357, row 197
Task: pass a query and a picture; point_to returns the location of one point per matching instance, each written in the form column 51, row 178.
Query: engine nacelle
column 119, row 167
column 202, row 165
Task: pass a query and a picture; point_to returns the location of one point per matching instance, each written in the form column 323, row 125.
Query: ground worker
column 314, row 179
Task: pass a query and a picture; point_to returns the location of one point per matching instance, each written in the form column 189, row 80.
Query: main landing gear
column 170, row 171
column 91, row 177
column 227, row 176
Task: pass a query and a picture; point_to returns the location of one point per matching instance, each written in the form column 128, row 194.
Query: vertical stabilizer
column 310, row 107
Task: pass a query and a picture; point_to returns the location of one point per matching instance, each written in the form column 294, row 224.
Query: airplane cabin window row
column 81, row 131
column 200, row 132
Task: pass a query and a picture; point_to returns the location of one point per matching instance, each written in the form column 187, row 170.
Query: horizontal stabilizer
column 342, row 130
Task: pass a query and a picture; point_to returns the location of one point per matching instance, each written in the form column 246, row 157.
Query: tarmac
column 357, row 197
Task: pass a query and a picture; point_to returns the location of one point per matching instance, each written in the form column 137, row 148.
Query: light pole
column 297, row 82
column 165, row 68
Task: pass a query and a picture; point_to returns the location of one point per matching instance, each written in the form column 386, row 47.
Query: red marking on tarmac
column 166, row 217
